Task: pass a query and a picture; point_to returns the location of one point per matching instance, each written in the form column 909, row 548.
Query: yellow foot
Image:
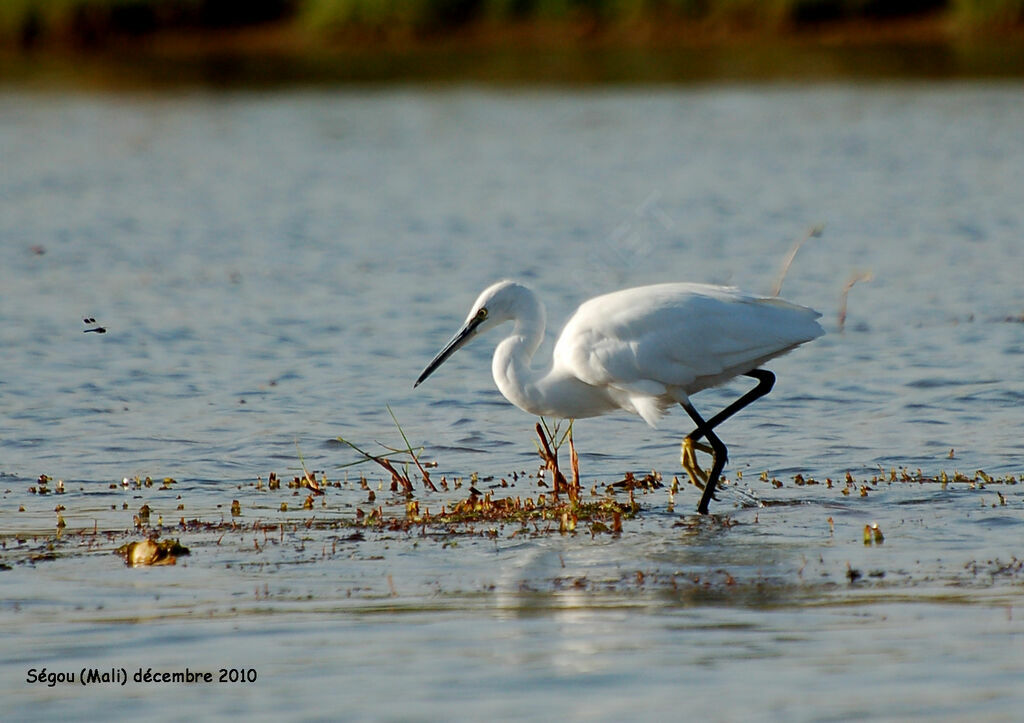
column 688, row 459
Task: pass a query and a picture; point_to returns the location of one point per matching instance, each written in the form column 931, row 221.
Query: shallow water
column 274, row 269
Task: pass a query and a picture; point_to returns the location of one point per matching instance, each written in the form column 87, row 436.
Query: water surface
column 274, row 269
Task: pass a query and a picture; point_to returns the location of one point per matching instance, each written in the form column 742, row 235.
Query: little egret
column 641, row 350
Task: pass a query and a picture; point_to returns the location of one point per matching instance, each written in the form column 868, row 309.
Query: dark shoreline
column 281, row 54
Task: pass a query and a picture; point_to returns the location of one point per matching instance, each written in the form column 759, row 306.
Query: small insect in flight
column 98, row 329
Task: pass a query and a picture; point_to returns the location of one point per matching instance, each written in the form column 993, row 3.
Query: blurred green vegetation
column 988, row 13
column 92, row 22
column 26, row 23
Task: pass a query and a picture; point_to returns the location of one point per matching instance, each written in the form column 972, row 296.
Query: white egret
column 641, row 350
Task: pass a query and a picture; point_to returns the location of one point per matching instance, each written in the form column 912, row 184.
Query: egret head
column 501, row 302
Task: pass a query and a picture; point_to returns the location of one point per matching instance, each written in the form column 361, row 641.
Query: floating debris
column 604, row 515
column 651, row 481
column 151, row 552
column 978, row 480
column 873, row 534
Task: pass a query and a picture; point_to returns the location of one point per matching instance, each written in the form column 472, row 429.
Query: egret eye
column 482, row 314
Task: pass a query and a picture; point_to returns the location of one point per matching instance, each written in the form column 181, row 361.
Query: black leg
column 718, row 455
column 765, row 382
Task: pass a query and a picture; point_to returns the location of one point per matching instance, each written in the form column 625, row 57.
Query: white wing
column 651, row 341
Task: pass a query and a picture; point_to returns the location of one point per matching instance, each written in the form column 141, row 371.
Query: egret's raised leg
column 765, row 382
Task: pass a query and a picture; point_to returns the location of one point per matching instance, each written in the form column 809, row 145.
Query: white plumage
column 669, row 341
column 642, row 349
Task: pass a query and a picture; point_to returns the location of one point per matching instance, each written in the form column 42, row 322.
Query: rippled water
column 274, row 269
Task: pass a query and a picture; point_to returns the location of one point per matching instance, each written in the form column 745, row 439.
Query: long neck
column 552, row 391
column 515, row 378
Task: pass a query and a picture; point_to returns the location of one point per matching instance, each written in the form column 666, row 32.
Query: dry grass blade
column 551, row 462
column 865, row 276
column 814, row 232
column 308, row 478
column 396, row 476
column 409, row 449
column 574, row 490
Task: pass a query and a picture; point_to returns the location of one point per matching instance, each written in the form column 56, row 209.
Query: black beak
column 464, row 335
